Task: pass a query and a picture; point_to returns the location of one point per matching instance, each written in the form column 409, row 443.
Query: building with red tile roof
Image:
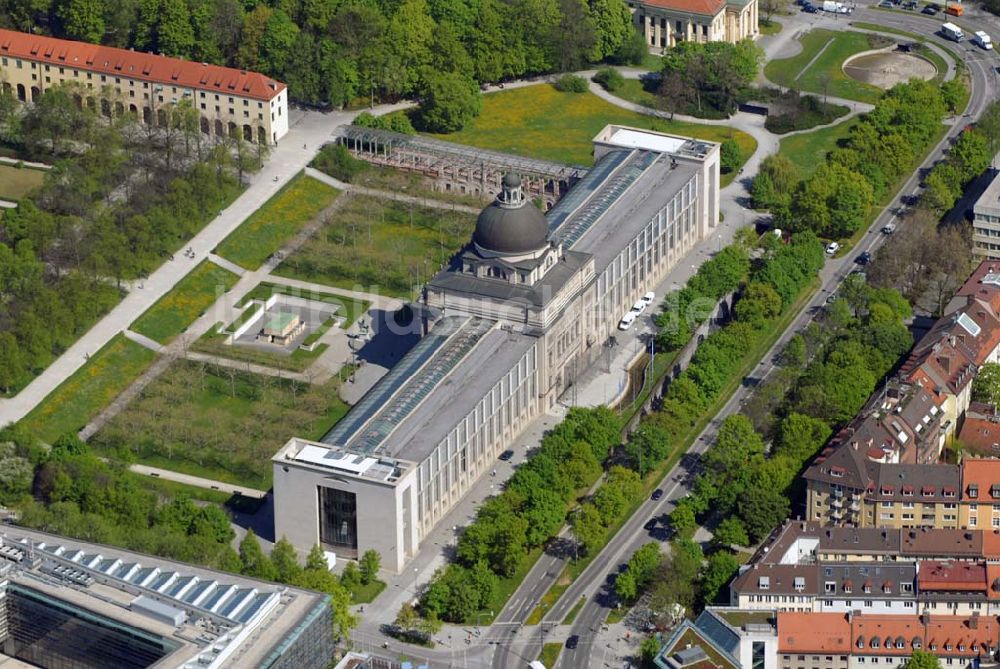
column 834, row 641
column 230, row 101
column 951, row 576
column 665, row 23
column 980, row 433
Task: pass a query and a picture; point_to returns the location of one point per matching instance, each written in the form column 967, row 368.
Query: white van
column 627, row 320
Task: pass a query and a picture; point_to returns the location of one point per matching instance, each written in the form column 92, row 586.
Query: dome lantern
column 510, row 225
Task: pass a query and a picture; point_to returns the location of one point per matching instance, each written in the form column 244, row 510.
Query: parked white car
column 626, row 322
column 832, row 248
column 649, row 298
column 639, row 307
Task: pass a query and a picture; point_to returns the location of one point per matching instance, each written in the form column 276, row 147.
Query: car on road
column 657, row 494
column 889, row 228
column 833, row 298
column 573, row 641
column 639, row 307
column 832, row 248
column 626, row 322
column 930, row 10
column 507, row 455
column 863, row 258
column 809, row 9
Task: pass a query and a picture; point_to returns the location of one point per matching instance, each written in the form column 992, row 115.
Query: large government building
column 665, row 23
column 230, row 101
column 520, row 313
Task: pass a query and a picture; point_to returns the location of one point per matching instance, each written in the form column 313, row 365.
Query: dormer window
column 764, row 583
column 800, row 583
column 887, row 587
column 995, row 491
column 973, row 491
column 949, row 492
column 867, row 587
column 887, row 490
column 848, row 587
column 907, row 491
column 875, row 642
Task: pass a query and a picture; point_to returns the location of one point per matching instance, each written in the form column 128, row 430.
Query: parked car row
column 640, row 306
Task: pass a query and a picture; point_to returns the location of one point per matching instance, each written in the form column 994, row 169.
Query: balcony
column 836, row 503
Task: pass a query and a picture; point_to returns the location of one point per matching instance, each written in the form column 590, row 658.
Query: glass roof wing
column 397, row 377
column 419, row 386
column 584, row 188
column 610, row 191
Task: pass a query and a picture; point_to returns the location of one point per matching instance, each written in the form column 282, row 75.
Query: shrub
column 571, row 83
column 337, row 161
column 609, row 78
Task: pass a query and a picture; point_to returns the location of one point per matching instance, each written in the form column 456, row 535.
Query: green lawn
column 363, row 594
column 379, row 246
column 175, row 311
column 218, row 423
column 271, row 226
column 550, row 654
column 772, row 28
column 826, row 75
column 808, row 149
column 541, row 122
column 16, row 182
column 91, row 388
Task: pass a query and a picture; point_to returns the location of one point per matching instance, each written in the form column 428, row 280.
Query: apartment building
column 230, row 102
column 986, row 221
column 863, row 641
column 665, row 23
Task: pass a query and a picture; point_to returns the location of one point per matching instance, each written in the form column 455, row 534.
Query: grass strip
column 69, row 407
column 184, row 303
column 268, row 229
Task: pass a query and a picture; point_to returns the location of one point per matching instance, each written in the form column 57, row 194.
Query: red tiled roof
column 983, row 474
column 951, row 576
column 981, row 433
column 138, row 65
column 813, row 632
column 703, row 7
column 947, row 636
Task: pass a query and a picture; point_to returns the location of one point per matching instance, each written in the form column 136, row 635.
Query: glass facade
column 54, row 634
column 338, row 520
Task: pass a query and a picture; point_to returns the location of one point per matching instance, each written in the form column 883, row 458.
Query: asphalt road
column 594, row 583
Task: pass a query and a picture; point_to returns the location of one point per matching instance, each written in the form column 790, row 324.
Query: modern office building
column 519, row 314
column 117, row 81
column 665, row 23
column 68, row 604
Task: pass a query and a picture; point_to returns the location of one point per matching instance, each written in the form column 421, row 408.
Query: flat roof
column 456, row 395
column 631, row 209
column 654, row 141
column 109, row 580
column 991, row 195
column 278, row 322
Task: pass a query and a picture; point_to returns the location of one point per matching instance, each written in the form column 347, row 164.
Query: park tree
column 682, row 520
column 253, row 561
column 729, row 155
column 574, row 35
column 801, row 436
column 449, row 102
column 722, row 567
column 369, row 564
column 286, row 561
column 612, row 28
column 350, row 577
column 729, row 532
column 759, row 303
column 82, row 19
column 588, row 528
column 921, row 659
column 775, row 181
column 762, row 510
column 647, row 447
column 953, row 92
